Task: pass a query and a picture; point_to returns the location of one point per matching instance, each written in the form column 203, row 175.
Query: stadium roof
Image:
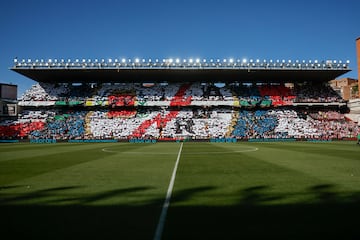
column 169, row 70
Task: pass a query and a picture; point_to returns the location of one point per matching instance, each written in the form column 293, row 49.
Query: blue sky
column 262, row 29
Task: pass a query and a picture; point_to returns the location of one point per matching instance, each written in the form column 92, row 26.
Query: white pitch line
column 160, row 226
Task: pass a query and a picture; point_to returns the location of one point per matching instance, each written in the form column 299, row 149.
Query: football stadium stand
column 275, row 107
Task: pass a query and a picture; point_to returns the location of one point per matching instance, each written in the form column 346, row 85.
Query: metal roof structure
column 174, row 70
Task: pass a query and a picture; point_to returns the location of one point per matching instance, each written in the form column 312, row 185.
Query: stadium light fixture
column 137, row 60
column 197, row 60
column 177, row 60
column 231, row 60
column 191, row 60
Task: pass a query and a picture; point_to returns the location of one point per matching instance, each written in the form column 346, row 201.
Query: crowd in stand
column 127, row 93
column 260, row 113
column 184, row 123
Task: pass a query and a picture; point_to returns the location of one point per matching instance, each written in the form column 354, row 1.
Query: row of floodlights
column 176, row 62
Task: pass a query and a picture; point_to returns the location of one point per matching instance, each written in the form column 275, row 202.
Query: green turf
column 243, row 190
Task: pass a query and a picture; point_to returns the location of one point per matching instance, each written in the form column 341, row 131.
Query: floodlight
column 231, row 60
column 171, row 60
column 123, row 60
column 347, row 61
column 197, row 60
column 137, row 60
column 190, row 60
column 177, row 60
column 244, row 60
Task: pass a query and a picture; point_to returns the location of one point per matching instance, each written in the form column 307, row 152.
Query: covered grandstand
column 171, row 99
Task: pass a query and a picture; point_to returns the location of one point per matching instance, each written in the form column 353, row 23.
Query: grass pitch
column 243, row 190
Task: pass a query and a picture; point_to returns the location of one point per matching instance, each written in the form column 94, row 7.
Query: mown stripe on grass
column 25, row 166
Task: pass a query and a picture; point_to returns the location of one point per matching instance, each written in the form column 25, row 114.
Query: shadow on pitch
column 329, row 215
